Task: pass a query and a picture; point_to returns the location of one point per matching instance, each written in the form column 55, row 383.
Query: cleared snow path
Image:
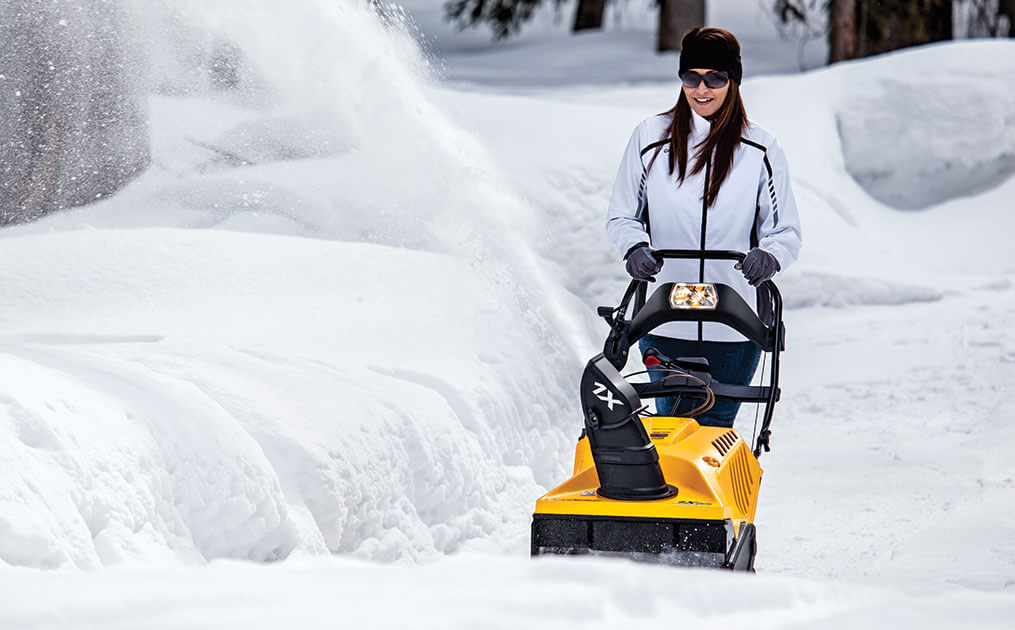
column 891, row 457
column 473, row 591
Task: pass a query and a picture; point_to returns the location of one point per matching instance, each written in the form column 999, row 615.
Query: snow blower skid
column 659, row 488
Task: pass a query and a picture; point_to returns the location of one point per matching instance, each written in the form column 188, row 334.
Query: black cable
column 671, row 372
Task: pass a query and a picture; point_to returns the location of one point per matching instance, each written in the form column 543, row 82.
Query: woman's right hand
column 642, row 263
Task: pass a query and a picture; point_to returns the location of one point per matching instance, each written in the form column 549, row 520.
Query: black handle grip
column 707, row 254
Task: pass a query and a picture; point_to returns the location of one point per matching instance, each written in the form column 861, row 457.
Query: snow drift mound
column 921, row 127
column 190, row 395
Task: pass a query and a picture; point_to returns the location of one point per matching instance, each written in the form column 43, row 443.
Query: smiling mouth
column 703, row 100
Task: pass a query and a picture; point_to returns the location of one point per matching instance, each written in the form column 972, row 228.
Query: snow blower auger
column 659, row 488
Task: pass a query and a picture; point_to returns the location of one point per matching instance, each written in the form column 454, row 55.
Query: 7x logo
column 608, row 398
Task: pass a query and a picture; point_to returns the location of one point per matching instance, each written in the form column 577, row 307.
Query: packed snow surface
column 341, row 319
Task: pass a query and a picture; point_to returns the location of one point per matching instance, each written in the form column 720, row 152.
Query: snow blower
column 661, row 488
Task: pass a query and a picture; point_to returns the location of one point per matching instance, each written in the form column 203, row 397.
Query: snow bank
column 805, row 289
column 921, row 127
column 190, row 395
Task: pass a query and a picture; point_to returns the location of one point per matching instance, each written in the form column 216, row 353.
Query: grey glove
column 759, row 266
column 641, row 264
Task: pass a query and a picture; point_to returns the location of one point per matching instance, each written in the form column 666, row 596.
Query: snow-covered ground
column 340, row 322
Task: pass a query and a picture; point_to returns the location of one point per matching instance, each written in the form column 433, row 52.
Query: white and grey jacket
column 754, row 208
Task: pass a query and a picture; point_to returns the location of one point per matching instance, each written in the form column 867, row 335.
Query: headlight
column 694, row 296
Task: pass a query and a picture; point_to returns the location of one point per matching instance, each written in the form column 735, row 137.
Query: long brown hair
column 728, row 126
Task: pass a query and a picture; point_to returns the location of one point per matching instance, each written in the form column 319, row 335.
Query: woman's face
column 705, row 101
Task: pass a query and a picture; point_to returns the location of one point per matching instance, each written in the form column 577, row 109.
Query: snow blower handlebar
column 769, row 336
column 690, row 377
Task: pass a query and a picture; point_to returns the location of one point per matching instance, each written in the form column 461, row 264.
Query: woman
column 702, row 176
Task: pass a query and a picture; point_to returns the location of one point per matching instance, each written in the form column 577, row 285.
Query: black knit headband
column 714, row 55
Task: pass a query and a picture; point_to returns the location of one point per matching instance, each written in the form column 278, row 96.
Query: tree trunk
column 841, row 30
column 589, row 15
column 884, row 25
column 939, row 25
column 73, row 107
column 676, row 17
column 1007, row 9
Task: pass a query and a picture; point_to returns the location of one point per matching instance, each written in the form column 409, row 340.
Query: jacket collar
column 700, row 126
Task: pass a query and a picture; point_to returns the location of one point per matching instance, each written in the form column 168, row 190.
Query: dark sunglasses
column 714, row 79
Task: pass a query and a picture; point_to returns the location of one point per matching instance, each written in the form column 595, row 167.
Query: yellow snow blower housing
column 662, row 488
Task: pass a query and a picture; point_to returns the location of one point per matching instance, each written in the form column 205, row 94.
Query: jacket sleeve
column 778, row 222
column 625, row 225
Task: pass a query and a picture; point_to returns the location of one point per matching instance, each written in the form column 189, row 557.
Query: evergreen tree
column 505, row 17
column 885, row 25
column 860, row 28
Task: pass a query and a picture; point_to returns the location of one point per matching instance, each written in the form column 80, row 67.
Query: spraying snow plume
column 73, row 115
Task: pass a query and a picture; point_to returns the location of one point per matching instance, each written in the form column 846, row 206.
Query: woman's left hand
column 759, row 266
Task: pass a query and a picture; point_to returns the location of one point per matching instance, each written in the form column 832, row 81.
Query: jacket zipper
column 704, row 223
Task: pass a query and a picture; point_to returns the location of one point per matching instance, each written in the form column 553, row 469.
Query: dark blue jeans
column 731, row 362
